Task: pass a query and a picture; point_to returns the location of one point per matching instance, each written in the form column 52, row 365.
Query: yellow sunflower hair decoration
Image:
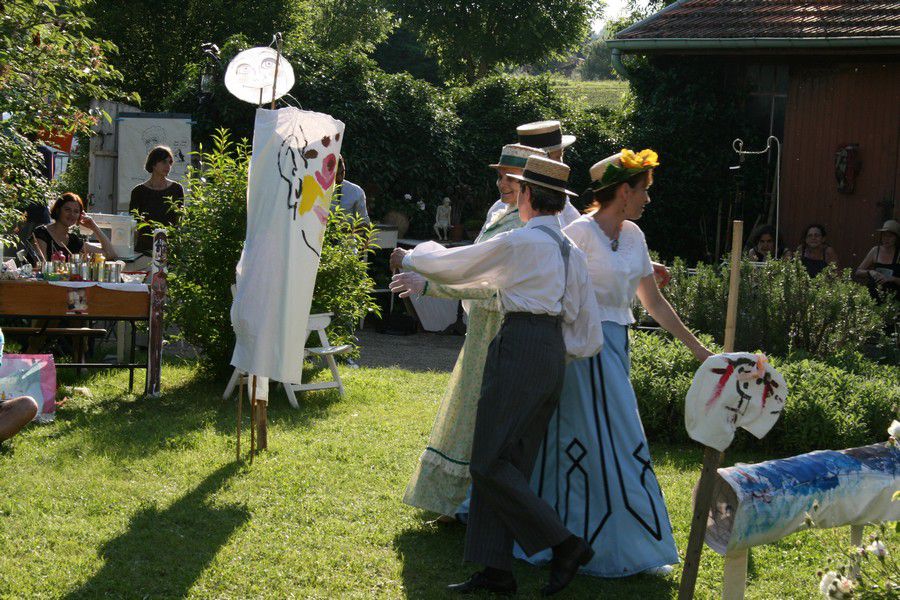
column 626, row 165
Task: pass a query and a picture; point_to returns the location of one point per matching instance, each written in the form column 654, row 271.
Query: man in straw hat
column 441, row 479
column 548, row 136
column 549, row 311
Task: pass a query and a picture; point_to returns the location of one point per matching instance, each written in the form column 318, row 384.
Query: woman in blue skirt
column 595, row 465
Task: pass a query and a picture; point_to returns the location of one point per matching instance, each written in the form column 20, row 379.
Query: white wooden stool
column 317, row 323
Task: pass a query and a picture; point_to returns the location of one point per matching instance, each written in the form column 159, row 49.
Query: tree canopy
column 49, row 68
column 469, row 37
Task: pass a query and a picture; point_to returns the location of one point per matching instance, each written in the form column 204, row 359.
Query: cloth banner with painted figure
column 30, row 375
column 291, row 181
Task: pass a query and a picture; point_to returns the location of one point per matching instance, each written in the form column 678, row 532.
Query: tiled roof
column 791, row 19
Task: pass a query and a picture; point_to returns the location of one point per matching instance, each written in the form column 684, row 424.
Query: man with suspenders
column 550, row 311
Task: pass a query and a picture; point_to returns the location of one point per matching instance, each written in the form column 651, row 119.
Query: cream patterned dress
column 441, row 479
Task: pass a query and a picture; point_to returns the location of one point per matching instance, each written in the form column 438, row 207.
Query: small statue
column 442, row 220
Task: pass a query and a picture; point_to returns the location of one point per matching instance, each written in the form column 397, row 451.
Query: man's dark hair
column 545, row 200
column 157, row 154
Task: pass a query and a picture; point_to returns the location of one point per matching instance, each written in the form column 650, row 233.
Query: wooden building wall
column 829, row 106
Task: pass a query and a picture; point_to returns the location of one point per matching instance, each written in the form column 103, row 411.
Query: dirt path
column 419, row 352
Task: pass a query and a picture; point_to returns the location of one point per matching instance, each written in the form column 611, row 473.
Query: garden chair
column 317, row 323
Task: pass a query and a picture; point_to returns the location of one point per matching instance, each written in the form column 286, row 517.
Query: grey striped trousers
column 523, row 378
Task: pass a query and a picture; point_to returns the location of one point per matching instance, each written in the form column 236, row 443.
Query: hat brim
column 567, row 140
column 544, row 185
column 498, row 165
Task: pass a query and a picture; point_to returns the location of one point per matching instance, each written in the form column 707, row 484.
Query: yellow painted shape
column 311, row 192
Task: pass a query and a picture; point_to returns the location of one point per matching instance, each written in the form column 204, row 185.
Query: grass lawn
column 141, row 498
column 595, row 93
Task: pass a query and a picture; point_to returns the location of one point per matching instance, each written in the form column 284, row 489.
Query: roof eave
column 633, row 45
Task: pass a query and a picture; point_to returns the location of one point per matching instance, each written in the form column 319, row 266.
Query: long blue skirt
column 595, row 470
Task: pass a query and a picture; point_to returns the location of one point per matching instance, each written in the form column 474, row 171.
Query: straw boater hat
column 546, row 173
column 545, row 135
column 515, row 155
column 892, row 226
column 617, row 168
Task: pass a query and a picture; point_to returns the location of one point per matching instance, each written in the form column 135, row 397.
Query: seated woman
column 67, row 212
column 761, row 244
column 15, row 413
column 814, row 252
column 880, row 269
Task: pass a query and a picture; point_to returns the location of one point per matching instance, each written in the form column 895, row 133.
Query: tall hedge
column 842, row 402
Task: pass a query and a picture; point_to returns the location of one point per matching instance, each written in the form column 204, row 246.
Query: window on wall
column 768, row 97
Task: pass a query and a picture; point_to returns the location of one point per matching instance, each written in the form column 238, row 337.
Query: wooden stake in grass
column 239, row 408
column 712, row 458
column 253, row 419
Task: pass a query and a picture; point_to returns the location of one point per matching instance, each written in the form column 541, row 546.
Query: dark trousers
column 522, row 382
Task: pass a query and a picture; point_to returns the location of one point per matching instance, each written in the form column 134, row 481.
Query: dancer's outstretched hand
column 397, row 259
column 407, row 284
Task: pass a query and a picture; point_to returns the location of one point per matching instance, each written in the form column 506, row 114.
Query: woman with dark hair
column 595, row 465
column 154, row 198
column 761, row 244
column 813, row 251
column 880, row 269
column 60, row 235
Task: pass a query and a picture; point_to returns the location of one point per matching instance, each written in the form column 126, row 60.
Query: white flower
column 844, row 587
column 825, row 584
column 877, row 548
column 407, row 197
column 894, row 429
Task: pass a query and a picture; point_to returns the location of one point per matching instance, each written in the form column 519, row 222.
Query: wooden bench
column 81, row 335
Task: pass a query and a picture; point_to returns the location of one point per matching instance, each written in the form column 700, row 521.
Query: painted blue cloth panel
column 595, row 468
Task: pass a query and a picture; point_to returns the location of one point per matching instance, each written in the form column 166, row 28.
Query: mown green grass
column 595, row 93
column 125, row 497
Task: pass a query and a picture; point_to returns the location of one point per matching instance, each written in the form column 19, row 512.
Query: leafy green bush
column 206, row 245
column 781, row 309
column 828, row 406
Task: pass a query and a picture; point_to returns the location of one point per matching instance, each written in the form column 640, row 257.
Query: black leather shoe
column 564, row 566
column 481, row 582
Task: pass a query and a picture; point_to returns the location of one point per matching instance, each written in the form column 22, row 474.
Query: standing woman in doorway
column 154, row 198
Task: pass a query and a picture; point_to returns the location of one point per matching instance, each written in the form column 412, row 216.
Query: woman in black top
column 154, row 198
column 814, row 252
column 881, row 266
column 59, row 236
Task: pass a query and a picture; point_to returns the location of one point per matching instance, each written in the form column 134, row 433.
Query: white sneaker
column 661, row 571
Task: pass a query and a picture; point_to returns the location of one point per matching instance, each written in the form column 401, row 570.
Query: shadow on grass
column 432, row 559
column 163, row 552
column 126, row 426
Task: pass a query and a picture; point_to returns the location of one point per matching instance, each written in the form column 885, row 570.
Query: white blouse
column 526, row 267
column 615, row 275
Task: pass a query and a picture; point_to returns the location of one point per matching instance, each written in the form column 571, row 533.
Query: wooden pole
column 252, row 419
column 712, row 458
column 262, row 424
column 239, row 408
column 277, row 62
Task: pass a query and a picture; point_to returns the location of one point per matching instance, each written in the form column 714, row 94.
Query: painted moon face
column 253, row 71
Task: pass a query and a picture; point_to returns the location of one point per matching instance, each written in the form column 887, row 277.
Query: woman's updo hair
column 62, row 201
column 157, row 154
column 608, row 194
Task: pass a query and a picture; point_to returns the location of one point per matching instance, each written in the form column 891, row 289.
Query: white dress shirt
column 526, row 267
column 615, row 275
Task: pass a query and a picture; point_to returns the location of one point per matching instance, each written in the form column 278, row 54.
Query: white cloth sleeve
column 582, row 328
column 488, row 264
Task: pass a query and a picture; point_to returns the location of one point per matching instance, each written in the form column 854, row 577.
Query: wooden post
column 277, row 61
column 856, row 536
column 262, row 424
column 158, row 288
column 239, row 409
column 712, row 458
column 252, row 418
column 735, row 580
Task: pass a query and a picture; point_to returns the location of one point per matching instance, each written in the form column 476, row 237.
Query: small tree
column 49, row 69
